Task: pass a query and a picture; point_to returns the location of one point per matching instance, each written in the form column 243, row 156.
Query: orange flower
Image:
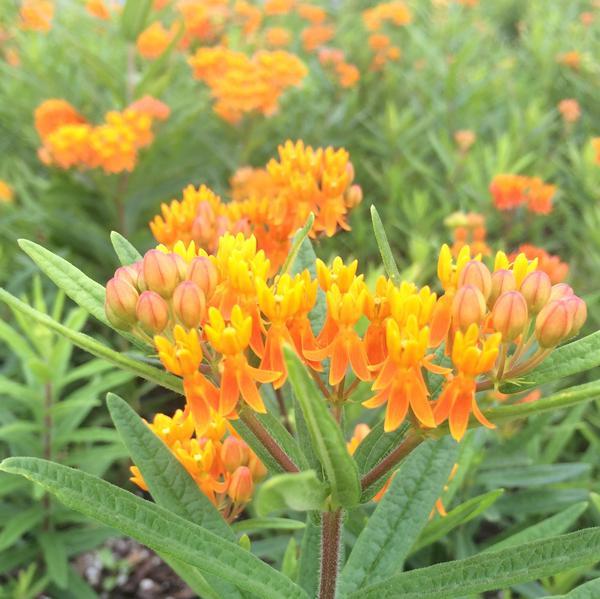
column 471, row 357
column 98, row 9
column 155, row 39
column 551, row 265
column 395, row 12
column 36, row 15
column 237, row 376
column 569, row 110
column 151, row 107
column 464, row 139
column 278, row 7
column 278, row 37
column 311, row 13
column 468, row 229
column 6, row 193
column 348, row 74
column 68, row 146
column 52, row 114
column 360, row 432
column 315, row 36
column 510, row 191
column 249, row 15
column 596, row 147
column 571, row 59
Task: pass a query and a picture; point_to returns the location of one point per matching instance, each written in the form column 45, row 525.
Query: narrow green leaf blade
column 400, row 516
column 298, row 240
column 491, row 571
column 299, row 492
column 125, row 251
column 155, row 527
column 89, row 344
column 168, row 481
column 384, row 247
column 326, row 436
column 589, row 590
column 461, row 514
column 565, row 361
column 55, row 556
column 259, row 524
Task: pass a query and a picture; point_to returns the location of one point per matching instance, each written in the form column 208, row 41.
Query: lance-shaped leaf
column 89, row 344
column 300, row 492
column 384, row 247
column 461, row 514
column 377, row 444
column 565, row 361
column 259, row 524
column 155, row 527
column 297, row 241
column 400, row 516
column 169, row 482
column 491, row 571
column 134, row 18
column 125, row 251
column 589, row 590
column 326, row 436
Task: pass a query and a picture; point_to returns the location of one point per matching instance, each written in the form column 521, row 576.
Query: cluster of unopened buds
column 221, row 323
column 221, row 464
column 269, row 203
column 511, row 191
column 69, row 140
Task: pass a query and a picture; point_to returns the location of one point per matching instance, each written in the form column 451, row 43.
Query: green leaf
column 299, row 492
column 400, row 515
column 310, row 555
column 289, row 565
column 55, row 556
column 560, row 400
column 89, row 344
column 134, row 18
column 589, row 590
column 125, row 251
column 18, row 525
column 260, row 524
column 549, row 527
column 461, row 514
column 155, row 527
column 278, row 433
column 168, row 481
column 298, row 240
column 384, row 247
column 77, row 285
column 325, row 433
column 532, row 476
column 565, row 361
column 491, row 571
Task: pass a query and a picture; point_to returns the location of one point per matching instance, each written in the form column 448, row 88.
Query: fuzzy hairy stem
column 331, row 534
column 259, row 431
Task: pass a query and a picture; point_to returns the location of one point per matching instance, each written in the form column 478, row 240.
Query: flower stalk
column 331, row 534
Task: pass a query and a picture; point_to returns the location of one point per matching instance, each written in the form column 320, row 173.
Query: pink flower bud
column 189, row 304
column 554, row 323
column 578, row 308
column 536, row 289
column 502, row 281
column 121, row 302
column 152, row 312
column 161, row 272
column 468, row 307
column 241, row 485
column 204, row 273
column 234, row 453
column 354, row 196
column 509, row 315
column 129, row 273
column 476, row 273
column 560, row 291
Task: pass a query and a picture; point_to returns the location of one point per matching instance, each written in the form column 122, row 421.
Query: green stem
column 47, row 448
column 331, row 534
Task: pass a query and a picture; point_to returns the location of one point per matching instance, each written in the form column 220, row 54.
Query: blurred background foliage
column 491, row 68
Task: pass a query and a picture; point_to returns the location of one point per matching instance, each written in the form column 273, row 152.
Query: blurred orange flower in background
column 155, row 39
column 551, row 265
column 37, row 15
column 6, row 193
column 511, row 191
column 569, row 110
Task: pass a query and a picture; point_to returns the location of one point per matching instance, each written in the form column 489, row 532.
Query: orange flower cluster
column 395, row 12
column 99, row 9
column 384, row 51
column 316, row 36
column 243, row 85
column 36, row 15
column 278, row 37
column 468, row 228
column 596, row 147
column 270, row 203
column 219, row 322
column 68, row 140
column 155, row 39
column 346, row 73
column 571, row 59
column 203, row 20
column 510, row 191
column 222, row 465
column 551, row 265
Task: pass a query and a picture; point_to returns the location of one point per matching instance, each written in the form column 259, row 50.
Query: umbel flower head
column 220, row 321
column 271, row 203
column 511, row 191
column 225, row 469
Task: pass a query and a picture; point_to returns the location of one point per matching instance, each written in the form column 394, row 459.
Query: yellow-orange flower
column 571, row 59
column 315, row 36
column 278, row 37
column 396, row 13
column 154, row 40
column 6, row 193
column 569, row 110
column 278, row 7
column 510, row 191
column 311, row 13
column 54, row 113
column 36, row 15
column 551, row 265
column 98, row 9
